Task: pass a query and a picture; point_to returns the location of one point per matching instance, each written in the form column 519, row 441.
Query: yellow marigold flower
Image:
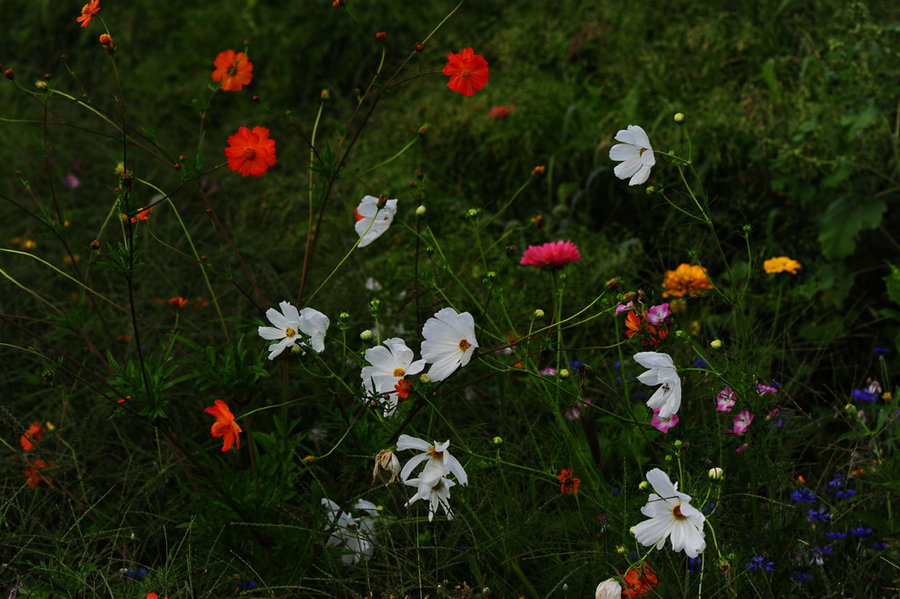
column 687, row 279
column 781, row 264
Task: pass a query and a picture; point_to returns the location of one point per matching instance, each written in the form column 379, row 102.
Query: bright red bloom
column 403, row 387
column 501, row 111
column 155, row 596
column 639, row 582
column 568, row 483
column 88, row 11
column 33, row 473
column 468, row 72
column 250, row 152
column 32, row 436
column 554, row 253
column 234, row 70
column 178, row 302
column 224, row 426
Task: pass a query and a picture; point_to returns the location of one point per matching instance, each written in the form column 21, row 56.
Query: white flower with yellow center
column 373, row 220
column 449, row 342
column 388, row 365
column 438, row 460
column 667, row 398
column 671, row 516
column 635, row 155
column 288, row 326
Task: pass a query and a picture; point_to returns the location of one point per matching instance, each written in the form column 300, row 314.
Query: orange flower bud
column 380, row 36
column 418, row 46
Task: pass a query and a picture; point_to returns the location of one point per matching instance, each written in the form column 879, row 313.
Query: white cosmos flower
column 372, row 221
column 662, row 372
column 436, row 492
column 635, row 155
column 288, row 323
column 355, row 536
column 438, row 460
column 671, row 516
column 449, row 342
column 608, row 589
column 389, row 364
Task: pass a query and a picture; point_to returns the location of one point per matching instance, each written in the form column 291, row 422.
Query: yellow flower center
column 435, row 455
column 399, row 372
column 676, row 511
column 464, row 345
column 641, row 151
column 289, row 332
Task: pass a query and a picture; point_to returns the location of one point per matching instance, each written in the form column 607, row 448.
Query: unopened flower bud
column 9, row 74
column 538, row 313
column 107, row 42
column 564, row 373
column 681, row 334
column 678, row 443
column 668, row 458
column 716, row 473
column 423, row 129
column 716, row 344
column 649, row 189
column 387, row 461
column 309, row 459
column 472, row 212
column 539, row 170
column 613, row 284
column 497, row 440
column 679, row 117
column 850, row 408
column 420, row 211
column 95, row 245
column 608, row 589
column 620, row 549
column 380, row 36
column 538, row 221
column 418, row 46
column 424, row 378
column 644, row 485
column 40, row 84
column 325, row 95
column 343, row 316
column 366, row 335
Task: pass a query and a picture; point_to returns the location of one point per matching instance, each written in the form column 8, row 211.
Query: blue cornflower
column 574, row 363
column 837, row 482
column 617, row 365
column 713, row 508
column 821, row 515
column 882, row 351
column 700, row 363
column 859, row 531
column 845, row 494
column 835, row 534
column 880, row 546
column 135, row 574
column 864, row 395
column 759, row 563
column 694, row 564
column 803, row 496
column 616, row 491
column 802, row 576
column 245, row 585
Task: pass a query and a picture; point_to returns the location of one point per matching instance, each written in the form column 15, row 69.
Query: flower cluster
column 354, row 536
column 29, row 440
column 289, row 323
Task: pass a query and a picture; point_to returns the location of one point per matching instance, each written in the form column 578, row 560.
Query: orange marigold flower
column 250, row 152
column 687, row 279
column 88, row 11
column 33, row 473
column 781, row 264
column 178, row 302
column 224, row 426
column 568, row 483
column 233, row 70
column 468, row 71
column 639, row 582
column 32, row 436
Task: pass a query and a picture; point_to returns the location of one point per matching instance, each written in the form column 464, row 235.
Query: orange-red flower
column 468, row 71
column 250, row 152
column 32, row 436
column 639, row 582
column 142, row 214
column 403, row 387
column 224, row 426
column 33, row 473
column 88, row 11
column 568, row 484
column 651, row 335
column 233, row 70
column 687, row 279
column 178, row 302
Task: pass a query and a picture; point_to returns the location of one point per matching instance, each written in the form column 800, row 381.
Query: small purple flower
column 863, row 395
column 623, row 308
column 882, row 351
column 835, row 534
column 700, row 363
column 859, row 531
column 71, row 181
column 837, row 482
column 880, row 546
column 818, row 552
column 713, row 507
column 14, row 592
column 802, row 576
column 245, row 585
column 725, row 400
column 821, row 515
column 845, row 494
column 694, row 564
column 657, row 314
column 759, row 563
column 803, row 496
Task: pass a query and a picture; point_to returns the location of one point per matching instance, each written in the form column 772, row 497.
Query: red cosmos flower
column 33, row 474
column 88, row 11
column 568, row 483
column 403, row 388
column 468, row 72
column 178, row 302
column 224, row 426
column 554, row 254
column 233, row 70
column 32, row 436
column 651, row 336
column 250, row 152
column 639, row 582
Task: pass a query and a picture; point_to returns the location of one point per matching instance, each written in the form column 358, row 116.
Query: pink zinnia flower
column 657, row 314
column 554, row 253
column 725, row 400
column 741, row 423
column 663, row 424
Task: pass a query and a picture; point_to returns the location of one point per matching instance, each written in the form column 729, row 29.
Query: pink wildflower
column 741, row 448
column 553, row 254
column 741, row 423
column 657, row 314
column 725, row 400
column 663, row 424
column 763, row 389
column 624, row 308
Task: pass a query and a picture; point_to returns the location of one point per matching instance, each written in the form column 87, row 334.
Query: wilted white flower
column 387, row 461
column 608, row 589
column 373, row 221
column 635, row 155
column 449, row 342
column 671, row 516
column 662, row 372
column 288, row 323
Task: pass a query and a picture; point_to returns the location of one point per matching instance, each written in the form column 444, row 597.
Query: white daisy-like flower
column 355, row 536
column 373, row 221
column 288, row 323
column 389, row 364
column 667, row 397
column 438, row 460
column 634, row 153
column 671, row 516
column 449, row 342
column 436, row 492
